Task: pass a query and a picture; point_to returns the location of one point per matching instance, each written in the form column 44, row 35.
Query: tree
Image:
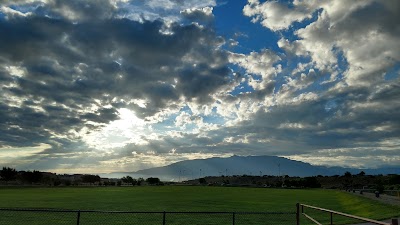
column 347, row 174
column 140, row 181
column 202, row 180
column 124, row 179
column 129, row 180
column 8, row 174
column 32, row 177
column 153, row 180
column 362, row 173
column 394, row 179
column 57, row 182
column 90, row 178
column 311, row 182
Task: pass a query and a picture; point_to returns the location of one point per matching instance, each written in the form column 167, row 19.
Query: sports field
column 188, row 198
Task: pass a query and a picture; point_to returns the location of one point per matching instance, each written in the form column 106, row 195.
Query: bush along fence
column 93, row 217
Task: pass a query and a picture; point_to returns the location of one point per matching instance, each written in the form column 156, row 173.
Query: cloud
column 204, row 15
column 278, row 16
column 353, row 43
column 78, row 11
column 262, row 63
column 364, row 35
column 168, row 10
column 118, row 83
column 67, row 76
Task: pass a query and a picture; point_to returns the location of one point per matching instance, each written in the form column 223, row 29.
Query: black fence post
column 297, row 213
column 233, row 218
column 163, row 220
column 395, row 222
column 78, row 217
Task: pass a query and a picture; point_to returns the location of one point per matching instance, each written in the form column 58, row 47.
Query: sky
column 122, row 85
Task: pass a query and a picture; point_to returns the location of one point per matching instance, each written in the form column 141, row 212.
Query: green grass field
column 187, row 198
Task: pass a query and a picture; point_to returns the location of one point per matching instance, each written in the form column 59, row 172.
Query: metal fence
column 93, row 217
column 319, row 218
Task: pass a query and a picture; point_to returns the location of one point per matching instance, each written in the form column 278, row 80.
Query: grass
column 180, row 198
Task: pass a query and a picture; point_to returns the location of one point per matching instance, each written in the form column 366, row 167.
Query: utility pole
column 279, row 170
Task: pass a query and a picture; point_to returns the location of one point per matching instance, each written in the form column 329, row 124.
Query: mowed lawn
column 191, row 198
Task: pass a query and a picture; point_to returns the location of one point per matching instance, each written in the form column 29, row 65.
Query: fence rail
column 18, row 216
column 94, row 217
column 300, row 209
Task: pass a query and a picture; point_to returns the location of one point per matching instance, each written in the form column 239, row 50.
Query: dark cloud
column 68, row 67
column 81, row 10
column 73, row 71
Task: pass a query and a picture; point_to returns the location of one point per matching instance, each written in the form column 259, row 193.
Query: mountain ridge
column 248, row 165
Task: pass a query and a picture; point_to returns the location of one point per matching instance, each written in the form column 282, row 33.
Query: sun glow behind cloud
column 127, row 129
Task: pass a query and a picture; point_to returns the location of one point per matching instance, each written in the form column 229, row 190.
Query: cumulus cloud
column 59, row 77
column 275, row 15
column 118, row 83
column 204, row 15
column 260, row 63
column 327, row 101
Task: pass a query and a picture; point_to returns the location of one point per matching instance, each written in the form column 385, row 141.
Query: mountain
column 249, row 165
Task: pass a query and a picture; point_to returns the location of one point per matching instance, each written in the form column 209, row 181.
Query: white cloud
column 9, row 12
column 206, row 11
column 259, row 63
column 278, row 16
column 360, row 30
column 183, row 119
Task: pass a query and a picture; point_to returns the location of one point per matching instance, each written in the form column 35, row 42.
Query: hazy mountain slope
column 249, row 165
column 237, row 165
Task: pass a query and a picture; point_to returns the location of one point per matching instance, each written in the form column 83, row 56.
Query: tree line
column 10, row 176
column 132, row 181
column 347, row 181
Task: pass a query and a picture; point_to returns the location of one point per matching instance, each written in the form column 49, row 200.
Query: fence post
column 297, row 213
column 331, row 218
column 395, row 222
column 78, row 217
column 233, row 218
column 163, row 220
